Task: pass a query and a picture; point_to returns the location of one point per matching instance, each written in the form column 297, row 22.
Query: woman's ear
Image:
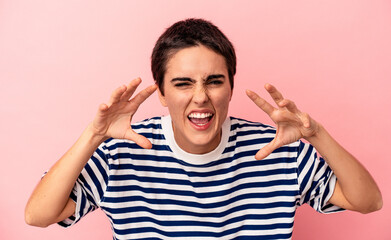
column 162, row 98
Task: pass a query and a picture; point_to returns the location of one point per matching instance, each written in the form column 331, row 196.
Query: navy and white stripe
column 165, row 193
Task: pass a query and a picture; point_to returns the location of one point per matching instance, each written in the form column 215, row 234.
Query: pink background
column 60, row 59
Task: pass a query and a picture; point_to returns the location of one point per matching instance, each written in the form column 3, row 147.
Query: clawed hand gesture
column 114, row 119
column 292, row 124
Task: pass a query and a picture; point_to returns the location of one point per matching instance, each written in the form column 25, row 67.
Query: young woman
column 198, row 173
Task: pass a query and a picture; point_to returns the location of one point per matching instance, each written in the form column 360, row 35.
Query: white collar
column 196, row 159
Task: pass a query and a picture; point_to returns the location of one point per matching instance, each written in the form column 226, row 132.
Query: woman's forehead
column 197, row 61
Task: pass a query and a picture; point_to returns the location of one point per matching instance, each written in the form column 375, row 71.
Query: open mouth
column 200, row 119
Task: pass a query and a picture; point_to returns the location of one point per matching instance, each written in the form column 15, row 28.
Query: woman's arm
column 50, row 197
column 355, row 189
column 50, row 201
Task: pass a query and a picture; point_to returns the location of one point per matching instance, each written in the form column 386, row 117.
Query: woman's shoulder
column 150, row 128
column 149, row 123
column 245, row 125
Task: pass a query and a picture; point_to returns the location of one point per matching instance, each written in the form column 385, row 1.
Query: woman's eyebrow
column 214, row 76
column 187, row 79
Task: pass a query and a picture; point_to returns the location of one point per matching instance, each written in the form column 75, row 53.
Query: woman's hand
column 50, row 202
column 355, row 188
column 292, row 124
column 114, row 119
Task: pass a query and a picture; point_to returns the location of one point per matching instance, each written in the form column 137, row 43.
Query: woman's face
column 197, row 93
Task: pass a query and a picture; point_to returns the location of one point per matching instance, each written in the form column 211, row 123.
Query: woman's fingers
column 277, row 97
column 116, row 95
column 266, row 150
column 290, row 105
column 123, row 93
column 138, row 100
column 138, row 139
column 143, row 95
column 131, row 88
column 103, row 107
column 274, row 93
column 306, row 120
column 260, row 102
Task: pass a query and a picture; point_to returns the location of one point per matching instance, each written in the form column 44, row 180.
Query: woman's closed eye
column 215, row 82
column 215, row 79
column 182, row 84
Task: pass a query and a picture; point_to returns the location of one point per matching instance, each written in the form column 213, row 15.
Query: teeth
column 200, row 115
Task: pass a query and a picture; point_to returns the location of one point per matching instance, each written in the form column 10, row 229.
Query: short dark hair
column 189, row 33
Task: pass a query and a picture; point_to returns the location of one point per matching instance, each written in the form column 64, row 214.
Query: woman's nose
column 200, row 95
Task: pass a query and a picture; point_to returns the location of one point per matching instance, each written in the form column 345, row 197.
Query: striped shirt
column 165, row 192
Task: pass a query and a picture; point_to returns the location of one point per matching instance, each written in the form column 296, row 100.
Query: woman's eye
column 215, row 82
column 183, row 84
